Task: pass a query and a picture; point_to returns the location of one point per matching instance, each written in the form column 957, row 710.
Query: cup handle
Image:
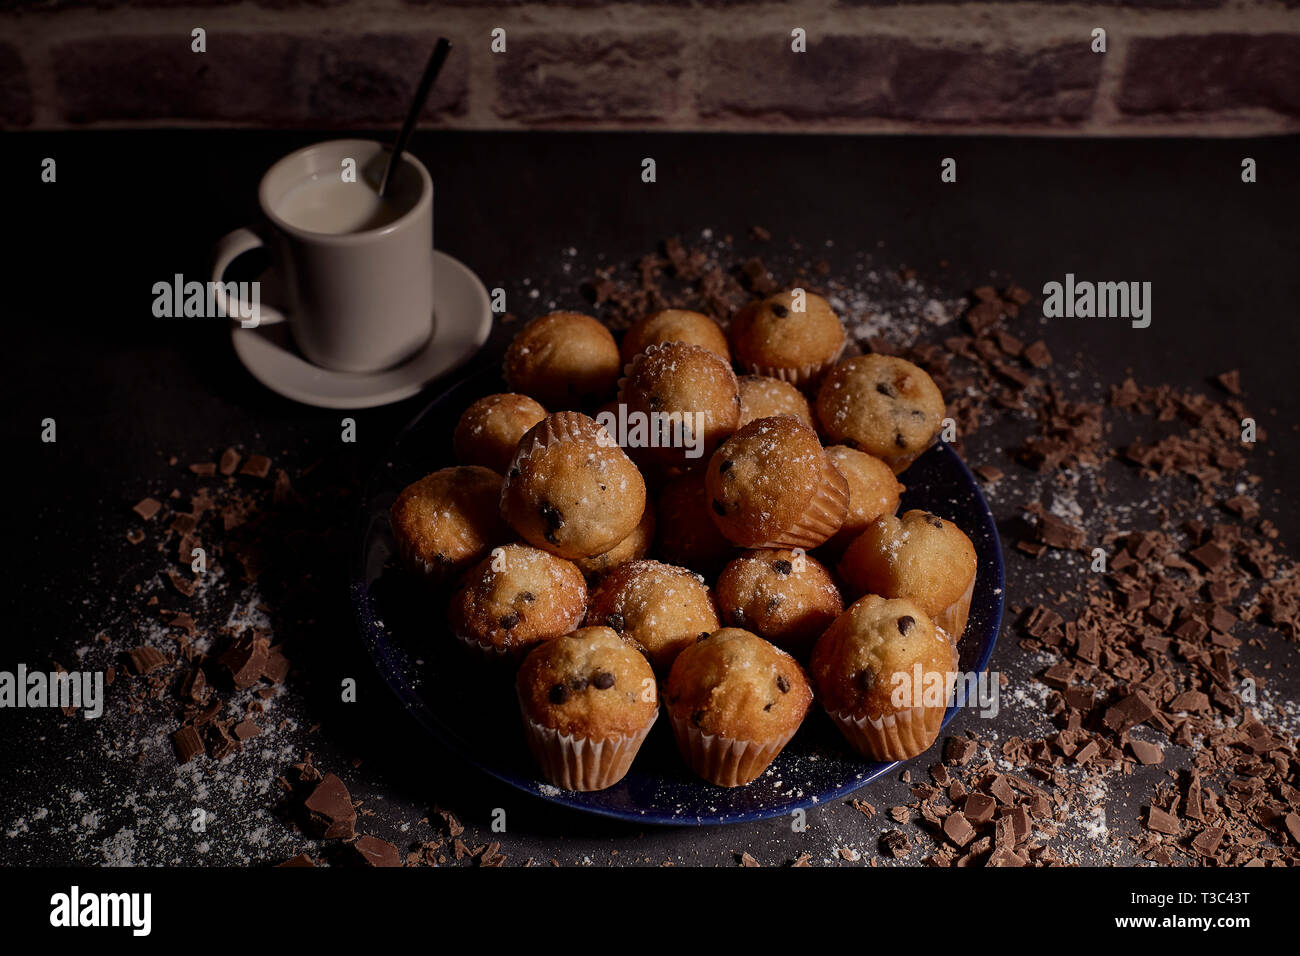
column 229, row 248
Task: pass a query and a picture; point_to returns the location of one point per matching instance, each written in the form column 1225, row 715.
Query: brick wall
column 1219, row 67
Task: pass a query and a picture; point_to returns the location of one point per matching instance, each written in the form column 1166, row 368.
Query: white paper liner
column 822, row 518
column 801, row 376
column 897, row 736
column 725, row 761
column 499, row 653
column 952, row 619
column 581, row 763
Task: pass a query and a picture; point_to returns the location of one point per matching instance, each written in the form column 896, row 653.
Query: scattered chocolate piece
column 895, row 843
column 188, row 744
column 330, row 814
column 302, row 859
column 259, row 466
column 372, row 851
column 1161, row 822
column 146, row 508
column 230, row 461
column 246, row 659
column 146, row 659
column 1147, row 754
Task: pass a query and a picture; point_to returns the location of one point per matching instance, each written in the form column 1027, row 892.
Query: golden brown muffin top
column 874, row 491
column 784, row 596
column 682, row 380
column 564, row 360
column 661, row 607
column 762, row 397
column 491, row 427
column 918, row 556
column 518, row 595
column 735, row 684
column 674, row 325
column 570, row 489
column 591, row 683
column 880, row 404
column 450, row 517
column 636, row 545
column 855, row 662
column 769, row 332
column 763, row 480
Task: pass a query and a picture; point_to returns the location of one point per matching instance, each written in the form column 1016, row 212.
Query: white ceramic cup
column 358, row 301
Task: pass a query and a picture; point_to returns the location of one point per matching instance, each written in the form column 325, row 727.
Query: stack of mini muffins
column 597, row 500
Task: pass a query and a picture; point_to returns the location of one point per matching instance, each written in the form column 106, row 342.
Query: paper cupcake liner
column 802, row 376
column 724, row 761
column 953, row 618
column 582, row 763
column 897, row 736
column 497, row 653
column 823, row 516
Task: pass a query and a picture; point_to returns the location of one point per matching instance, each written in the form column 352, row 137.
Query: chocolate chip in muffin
column 768, row 705
column 782, row 684
column 934, row 520
column 528, row 597
column 559, row 694
column 554, row 519
column 866, row 680
column 782, row 567
column 514, row 472
column 905, row 624
column 508, row 621
column 697, row 717
column 577, row 683
column 725, row 466
column 900, row 441
column 703, row 636
column 602, row 680
column 779, row 310
column 884, row 388
column 616, row 622
column 719, row 508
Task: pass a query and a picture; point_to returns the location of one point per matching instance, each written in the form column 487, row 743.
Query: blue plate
column 471, row 708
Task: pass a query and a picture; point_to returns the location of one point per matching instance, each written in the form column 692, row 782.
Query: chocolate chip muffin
column 675, row 325
column 516, row 597
column 763, row 397
column 684, row 533
column 635, row 546
column 771, row 337
column 919, row 556
column 865, row 666
column 588, row 700
column 783, row 596
column 490, row 429
column 660, row 607
column 873, row 491
column 687, row 396
column 734, row 701
column 570, row 489
column 883, row 405
column 771, row 485
column 446, row 521
column 564, row 360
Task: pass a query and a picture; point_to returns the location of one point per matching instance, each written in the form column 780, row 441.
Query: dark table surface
column 534, row 211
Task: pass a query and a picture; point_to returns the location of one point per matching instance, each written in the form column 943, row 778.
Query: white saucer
column 462, row 320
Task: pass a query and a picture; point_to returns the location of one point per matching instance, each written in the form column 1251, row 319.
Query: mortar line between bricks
column 1000, row 24
column 1105, row 108
column 1222, row 125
